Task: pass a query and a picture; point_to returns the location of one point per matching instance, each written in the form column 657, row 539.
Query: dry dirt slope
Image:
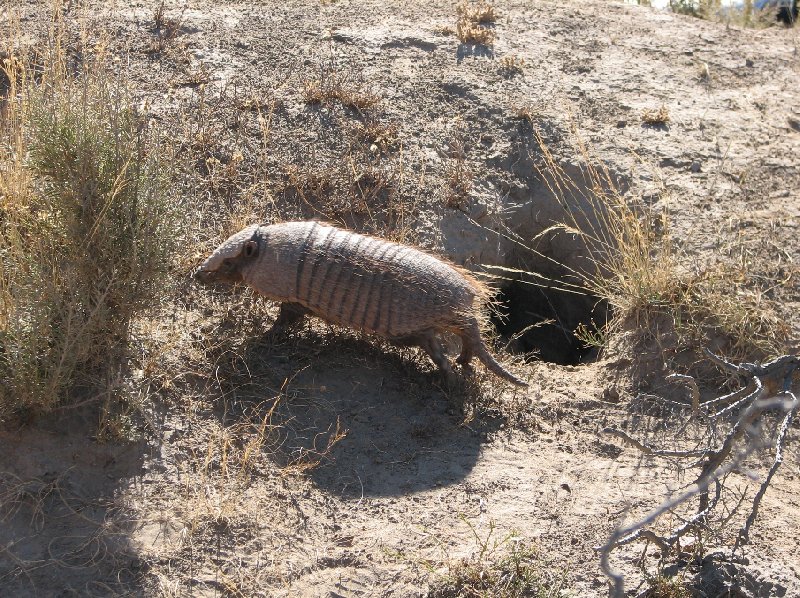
column 216, row 499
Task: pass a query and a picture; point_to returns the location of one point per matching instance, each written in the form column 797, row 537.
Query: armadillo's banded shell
column 360, row 281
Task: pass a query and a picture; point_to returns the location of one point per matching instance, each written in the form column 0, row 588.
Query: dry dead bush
column 356, row 186
column 88, row 229
column 479, row 13
column 458, row 175
column 382, row 136
column 471, row 26
column 729, row 429
column 165, row 29
column 470, row 33
column 655, row 117
column 331, row 86
column 511, row 65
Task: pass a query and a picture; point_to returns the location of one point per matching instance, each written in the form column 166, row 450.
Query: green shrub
column 87, row 230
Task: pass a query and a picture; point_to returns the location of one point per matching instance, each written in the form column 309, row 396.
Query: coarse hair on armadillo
column 363, row 282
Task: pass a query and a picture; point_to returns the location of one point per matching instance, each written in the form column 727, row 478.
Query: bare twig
column 648, row 450
column 744, row 534
column 630, row 532
column 764, row 381
column 692, row 384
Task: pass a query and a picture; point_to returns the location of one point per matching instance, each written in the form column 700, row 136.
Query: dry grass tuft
column 471, row 26
column 165, row 30
column 505, row 567
column 655, row 117
column 638, row 269
column 511, row 65
column 528, row 112
column 480, row 13
column 382, row 136
column 458, row 175
column 665, row 587
column 88, row 229
column 332, row 86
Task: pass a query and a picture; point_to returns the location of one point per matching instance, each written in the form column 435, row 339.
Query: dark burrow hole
column 541, row 322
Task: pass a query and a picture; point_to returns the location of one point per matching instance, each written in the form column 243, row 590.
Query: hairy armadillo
column 394, row 291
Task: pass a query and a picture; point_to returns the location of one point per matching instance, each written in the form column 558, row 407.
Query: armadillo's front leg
column 290, row 313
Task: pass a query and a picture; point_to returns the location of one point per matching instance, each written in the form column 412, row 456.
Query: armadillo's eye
column 250, row 249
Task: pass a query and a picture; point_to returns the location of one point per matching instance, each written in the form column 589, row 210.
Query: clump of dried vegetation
column 502, row 567
column 331, row 85
column 165, row 30
column 638, row 269
column 458, row 174
column 88, row 225
column 474, row 23
column 655, row 117
column 512, row 65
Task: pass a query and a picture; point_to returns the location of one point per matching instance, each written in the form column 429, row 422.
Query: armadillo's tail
column 473, row 345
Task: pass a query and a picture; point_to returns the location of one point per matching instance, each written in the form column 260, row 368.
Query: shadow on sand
column 404, row 431
column 62, row 530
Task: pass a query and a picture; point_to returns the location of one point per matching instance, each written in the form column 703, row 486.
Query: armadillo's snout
column 204, row 276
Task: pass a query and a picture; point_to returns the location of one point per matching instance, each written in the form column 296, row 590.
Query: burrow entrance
column 547, row 315
column 541, row 322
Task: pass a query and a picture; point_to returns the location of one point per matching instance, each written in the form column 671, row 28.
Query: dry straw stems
column 88, row 226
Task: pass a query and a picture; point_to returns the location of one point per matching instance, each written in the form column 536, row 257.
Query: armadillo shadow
column 370, row 421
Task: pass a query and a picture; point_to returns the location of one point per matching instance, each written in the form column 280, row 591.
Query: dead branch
column 754, row 399
column 647, row 449
column 744, row 533
column 692, row 384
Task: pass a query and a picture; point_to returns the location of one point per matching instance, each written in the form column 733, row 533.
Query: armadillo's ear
column 250, row 248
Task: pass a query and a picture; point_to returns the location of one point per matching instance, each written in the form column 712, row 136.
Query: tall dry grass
column 638, row 268
column 87, row 222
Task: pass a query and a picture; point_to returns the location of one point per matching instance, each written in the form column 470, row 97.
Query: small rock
column 621, row 124
column 695, row 167
column 749, row 62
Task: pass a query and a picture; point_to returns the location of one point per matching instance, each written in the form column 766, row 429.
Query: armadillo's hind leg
column 473, row 345
column 466, row 356
column 430, row 344
column 290, row 313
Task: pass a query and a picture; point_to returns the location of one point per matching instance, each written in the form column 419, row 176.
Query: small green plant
column 591, row 335
column 88, row 228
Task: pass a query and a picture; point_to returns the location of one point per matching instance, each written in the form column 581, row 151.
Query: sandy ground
column 320, row 463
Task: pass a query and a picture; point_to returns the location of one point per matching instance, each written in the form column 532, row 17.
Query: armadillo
column 362, row 282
